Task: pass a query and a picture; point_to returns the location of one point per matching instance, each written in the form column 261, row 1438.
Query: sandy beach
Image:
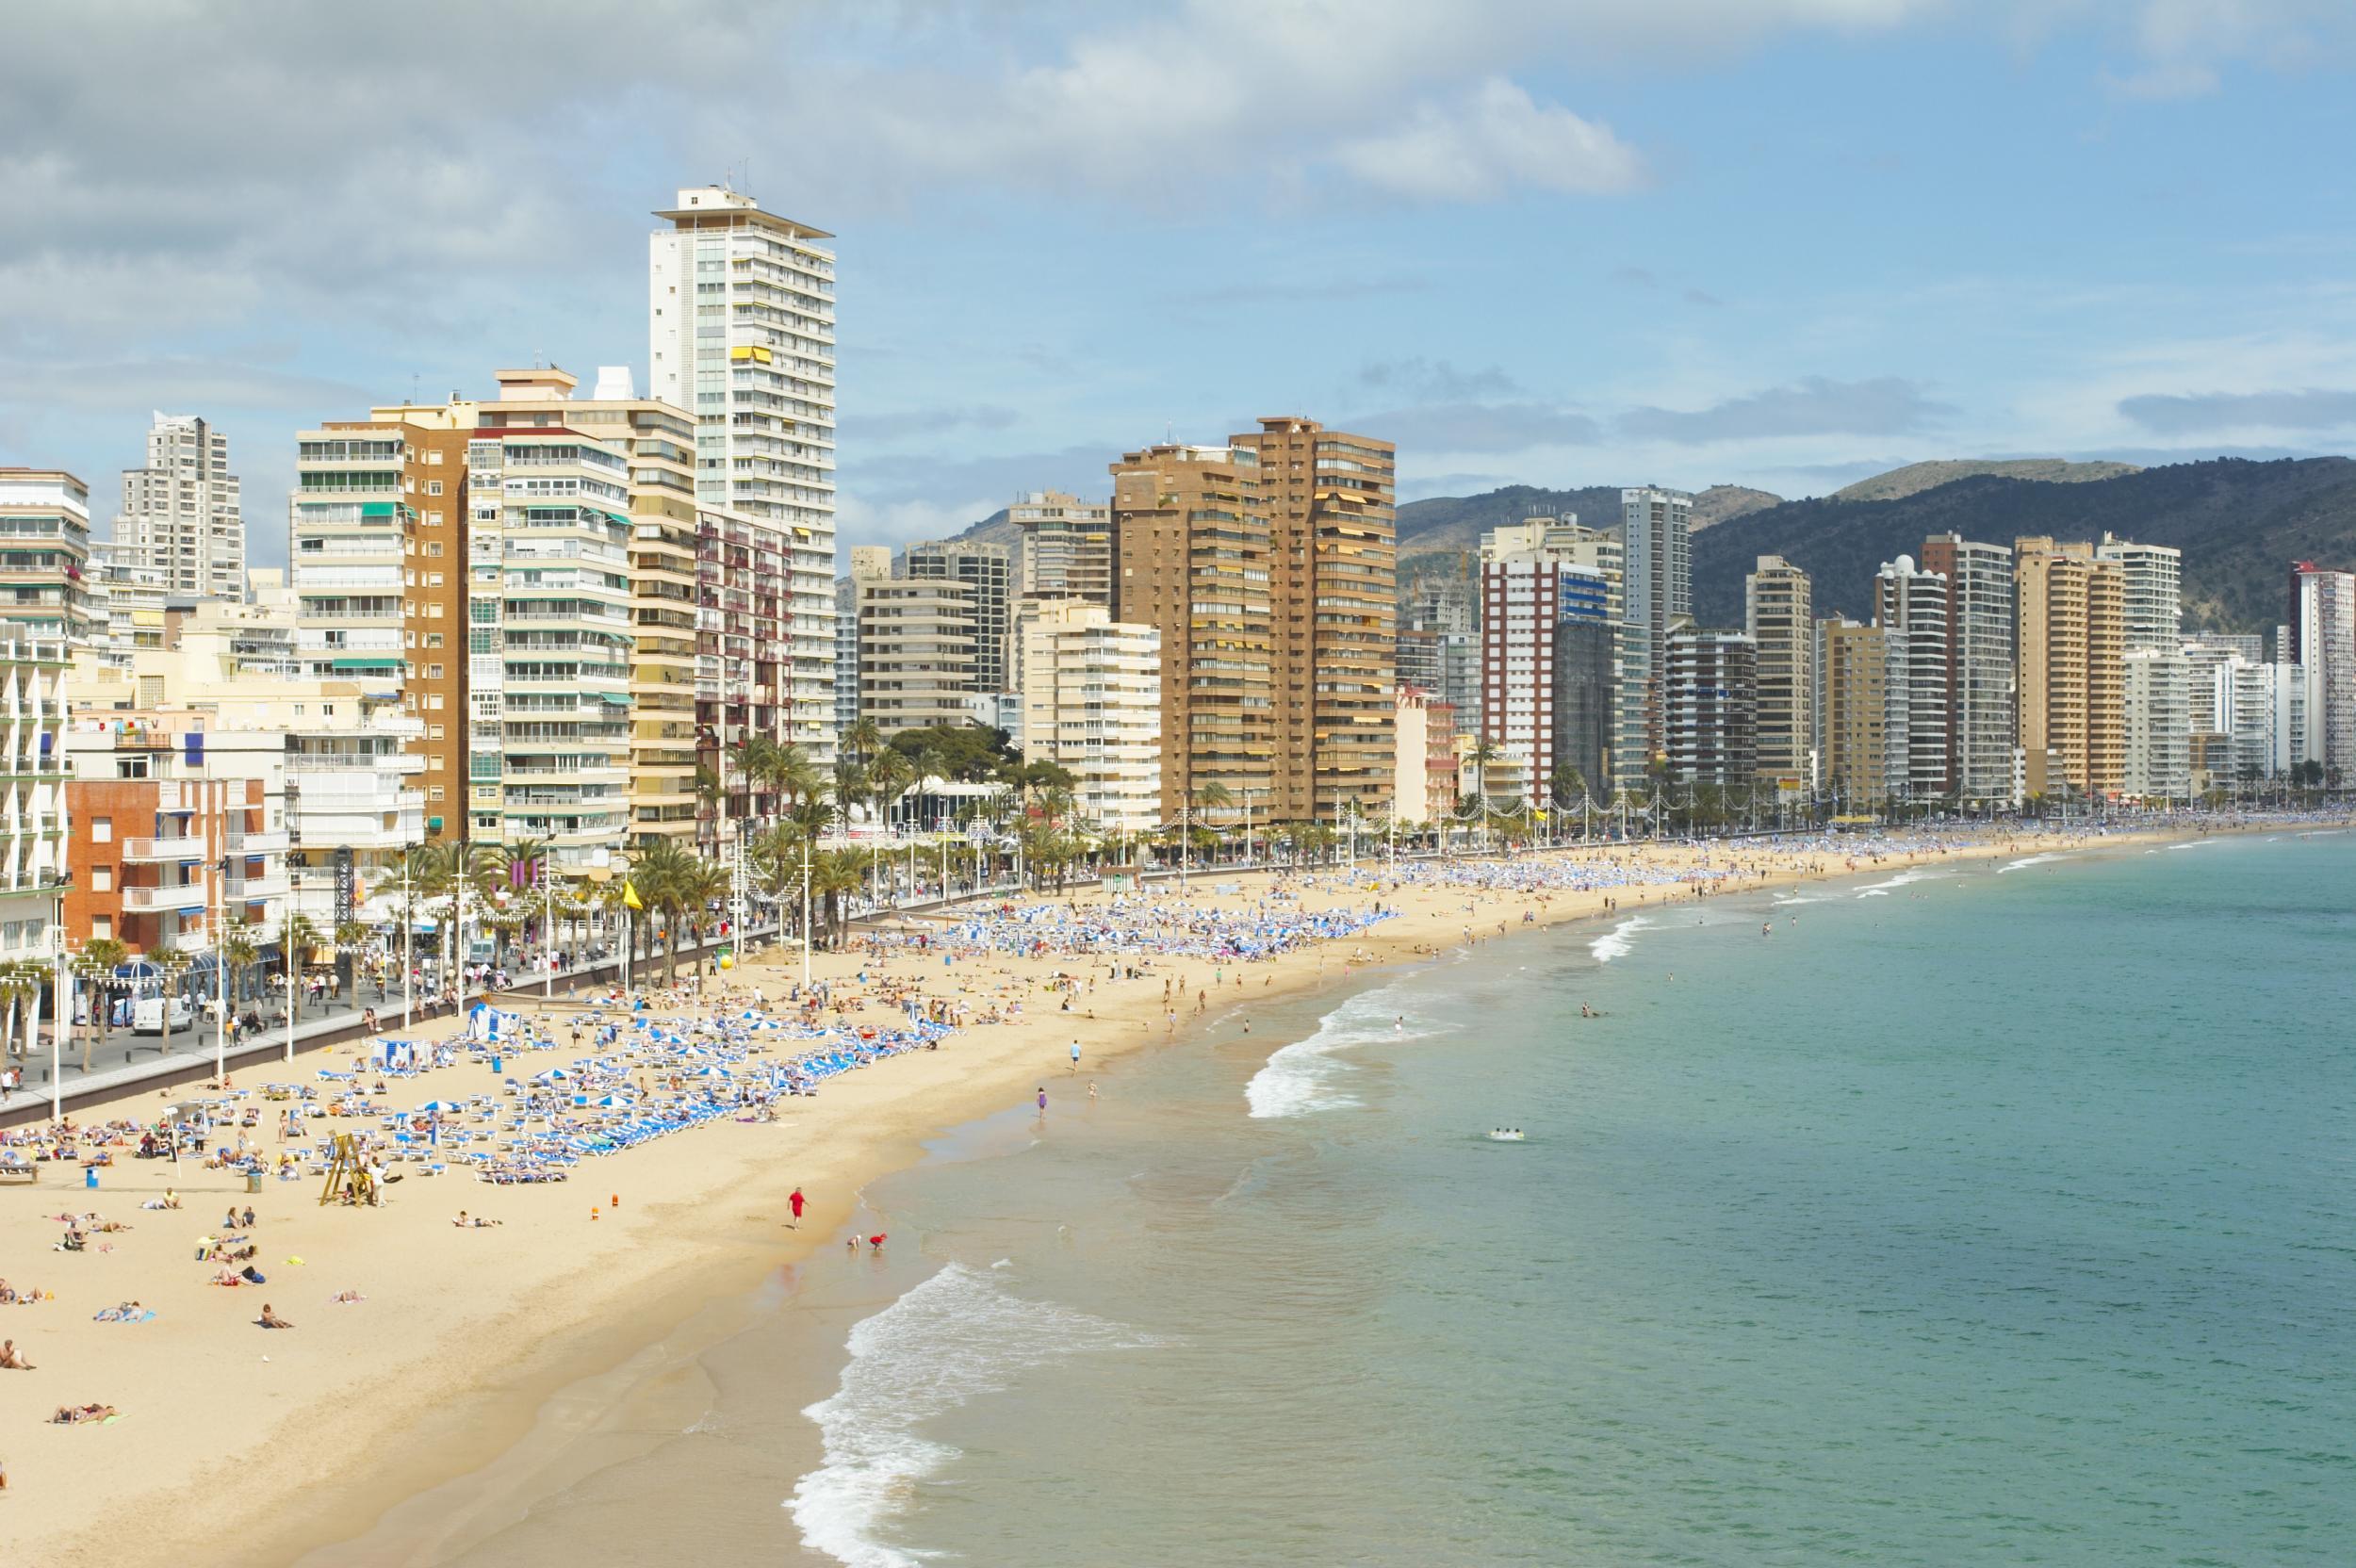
column 234, row 1441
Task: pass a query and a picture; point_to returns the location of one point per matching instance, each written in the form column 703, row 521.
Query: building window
column 433, row 703
column 102, row 830
column 434, row 732
column 102, row 880
column 433, row 487
column 434, row 793
column 101, row 925
column 434, row 672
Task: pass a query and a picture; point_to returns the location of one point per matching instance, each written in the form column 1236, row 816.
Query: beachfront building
column 1982, row 720
column 662, row 579
column 1535, row 598
column 2069, row 648
column 34, row 827
column 916, row 652
column 2262, row 709
column 1067, row 549
column 1333, row 617
column 1778, row 616
column 1910, row 607
column 2322, row 632
column 181, row 512
column 2155, row 688
column 1714, row 708
column 45, row 593
column 549, row 637
column 989, row 570
column 1190, row 559
column 1655, row 536
column 1851, row 671
column 178, row 828
column 1093, row 705
column 2149, row 590
column 741, row 334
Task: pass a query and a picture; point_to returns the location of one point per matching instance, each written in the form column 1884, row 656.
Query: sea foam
column 1305, row 1076
column 1619, row 941
column 953, row 1339
column 2032, row 860
column 1881, row 889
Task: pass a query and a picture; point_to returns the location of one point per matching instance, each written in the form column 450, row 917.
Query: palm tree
column 297, row 936
column 239, row 946
column 891, row 774
column 757, row 763
column 664, row 875
column 796, row 778
column 831, row 875
column 864, row 739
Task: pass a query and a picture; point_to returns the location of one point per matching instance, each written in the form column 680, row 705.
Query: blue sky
column 1775, row 242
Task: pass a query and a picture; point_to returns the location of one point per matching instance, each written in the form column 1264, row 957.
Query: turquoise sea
column 1992, row 1215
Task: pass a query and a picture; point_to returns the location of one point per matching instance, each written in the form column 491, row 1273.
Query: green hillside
column 2240, row 524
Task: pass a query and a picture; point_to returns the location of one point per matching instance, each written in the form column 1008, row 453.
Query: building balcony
column 145, row 850
column 253, row 890
column 157, row 900
column 260, row 843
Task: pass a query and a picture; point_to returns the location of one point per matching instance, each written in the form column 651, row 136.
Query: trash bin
column 89, row 1176
column 494, row 1063
column 253, row 1180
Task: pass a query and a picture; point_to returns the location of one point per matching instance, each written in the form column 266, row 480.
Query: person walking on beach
column 1042, row 1100
column 796, row 1200
column 1075, row 1056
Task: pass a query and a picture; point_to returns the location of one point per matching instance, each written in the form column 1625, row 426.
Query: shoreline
column 474, row 1383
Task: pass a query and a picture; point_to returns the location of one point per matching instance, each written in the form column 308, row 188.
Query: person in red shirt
column 796, row 1200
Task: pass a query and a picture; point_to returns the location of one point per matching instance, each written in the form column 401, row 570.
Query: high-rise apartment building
column 666, row 521
column 741, row 332
column 1067, row 546
column 1712, row 708
column 1852, row 753
column 551, row 637
column 379, row 552
column 989, row 570
column 2151, row 597
column 2261, row 709
column 1093, row 705
column 1910, row 607
column 2155, row 689
column 2069, row 647
column 45, row 594
column 1535, row 601
column 1190, row 559
column 2323, row 644
column 916, row 652
column 1779, row 616
column 1438, row 641
column 1332, row 616
column 182, row 511
column 1982, row 724
column 1655, row 532
column 34, row 828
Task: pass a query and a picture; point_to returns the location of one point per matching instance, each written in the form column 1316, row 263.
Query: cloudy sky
column 1774, row 243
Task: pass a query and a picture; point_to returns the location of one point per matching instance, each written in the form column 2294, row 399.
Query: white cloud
column 904, row 522
column 1492, row 140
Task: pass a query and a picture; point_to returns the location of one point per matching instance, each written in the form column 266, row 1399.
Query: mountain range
column 2239, row 523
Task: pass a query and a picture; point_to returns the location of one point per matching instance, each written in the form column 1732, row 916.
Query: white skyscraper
column 2159, row 724
column 1910, row 607
column 741, row 333
column 2150, row 595
column 1655, row 534
column 182, row 513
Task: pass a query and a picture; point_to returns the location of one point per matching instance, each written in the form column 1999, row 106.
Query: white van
column 159, row 1015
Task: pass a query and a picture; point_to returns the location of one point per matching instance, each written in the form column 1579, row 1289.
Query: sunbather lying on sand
column 271, row 1320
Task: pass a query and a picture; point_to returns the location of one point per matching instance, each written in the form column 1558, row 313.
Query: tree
column 239, row 950
column 891, row 774
column 297, row 936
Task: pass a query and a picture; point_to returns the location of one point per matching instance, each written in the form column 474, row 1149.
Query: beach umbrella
column 611, row 1101
column 433, row 1106
column 553, row 1076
